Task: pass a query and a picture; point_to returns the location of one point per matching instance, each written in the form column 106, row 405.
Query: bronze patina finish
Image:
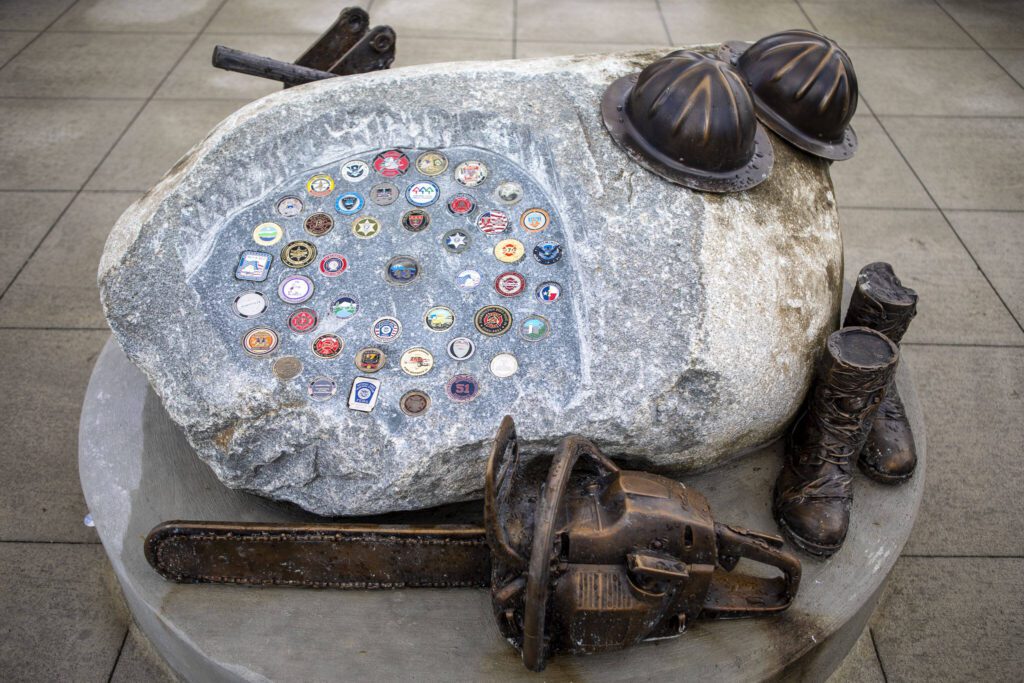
column 690, row 119
column 881, row 302
column 804, row 88
column 348, row 47
column 814, row 491
column 585, row 559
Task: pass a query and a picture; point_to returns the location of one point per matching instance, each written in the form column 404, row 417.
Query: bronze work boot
column 814, row 491
column 881, row 302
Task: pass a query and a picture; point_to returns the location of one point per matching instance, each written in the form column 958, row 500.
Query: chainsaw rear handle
column 742, row 595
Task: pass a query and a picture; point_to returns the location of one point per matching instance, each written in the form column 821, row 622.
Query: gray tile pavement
column 935, row 188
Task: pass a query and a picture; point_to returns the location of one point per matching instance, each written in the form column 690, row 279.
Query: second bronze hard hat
column 804, row 89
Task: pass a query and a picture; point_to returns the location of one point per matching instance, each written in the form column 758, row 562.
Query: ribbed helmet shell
column 695, row 110
column 804, row 88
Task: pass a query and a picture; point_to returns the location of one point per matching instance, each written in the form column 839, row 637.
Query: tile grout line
column 925, row 187
column 960, row 557
column 807, row 16
column 942, row 213
column 878, row 655
column 4, row 328
column 664, row 22
column 120, row 651
column 515, row 29
column 842, row 206
column 975, row 41
column 106, row 155
column 958, row 345
column 44, row 30
column 26, row 541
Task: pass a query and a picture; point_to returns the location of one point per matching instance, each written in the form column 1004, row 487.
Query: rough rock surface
column 688, row 327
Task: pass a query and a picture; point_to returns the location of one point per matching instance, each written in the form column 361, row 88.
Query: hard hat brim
column 640, row 150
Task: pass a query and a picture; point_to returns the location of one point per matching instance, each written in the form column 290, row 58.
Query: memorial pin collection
column 336, row 207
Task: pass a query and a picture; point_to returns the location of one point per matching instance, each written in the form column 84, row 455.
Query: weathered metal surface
column 231, row 59
column 804, row 89
column 593, row 558
column 814, row 492
column 881, row 302
column 690, row 119
column 344, row 33
column 374, row 52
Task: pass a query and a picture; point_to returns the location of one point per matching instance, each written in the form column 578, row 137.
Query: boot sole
column 809, row 547
column 882, row 478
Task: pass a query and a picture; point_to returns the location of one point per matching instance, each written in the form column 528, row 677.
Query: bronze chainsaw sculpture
column 588, row 559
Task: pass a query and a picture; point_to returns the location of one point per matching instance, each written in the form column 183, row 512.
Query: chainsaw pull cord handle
column 743, row 595
column 541, row 553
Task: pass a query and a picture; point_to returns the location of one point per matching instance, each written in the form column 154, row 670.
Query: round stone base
column 137, row 471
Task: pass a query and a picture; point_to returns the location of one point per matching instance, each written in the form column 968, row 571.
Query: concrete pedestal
column 137, row 470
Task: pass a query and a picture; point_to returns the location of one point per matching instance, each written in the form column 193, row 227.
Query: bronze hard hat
column 690, row 119
column 804, row 88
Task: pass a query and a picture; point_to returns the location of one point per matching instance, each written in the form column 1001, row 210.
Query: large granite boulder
column 685, row 331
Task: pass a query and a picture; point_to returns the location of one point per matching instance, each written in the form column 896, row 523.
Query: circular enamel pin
column 286, row 367
column 471, row 173
column 386, row 329
column 440, row 318
column 333, row 265
column 461, row 205
column 328, row 346
column 318, row 224
column 267, row 234
column 349, row 203
column 509, row 251
column 534, row 220
column 416, row 362
column 250, row 304
column 468, row 280
column 509, row 192
column 391, row 163
column 259, row 341
column 366, row 227
column 289, row 206
column 510, row 284
column 295, row 289
column 414, row 403
column 455, row 241
column 320, row 185
column 370, row 360
column 354, row 171
column 462, row 388
column 534, row 328
column 303, row 320
column 344, row 307
column 423, row 193
column 298, row 254
column 401, row 270
column 416, row 220
column 504, row 365
column 321, row 388
column 548, row 253
column 384, row 194
column 548, row 292
column 461, row 348
column 431, row 163
column 493, row 222
column 493, row 321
